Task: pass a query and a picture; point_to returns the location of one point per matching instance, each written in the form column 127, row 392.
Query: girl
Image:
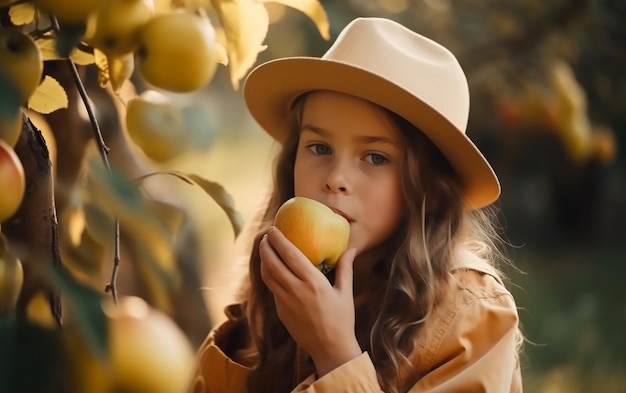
column 375, row 129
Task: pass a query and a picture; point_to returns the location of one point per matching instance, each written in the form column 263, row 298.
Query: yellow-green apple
column 69, row 11
column 114, row 27
column 177, row 51
column 156, row 125
column 12, row 181
column 21, row 61
column 11, row 279
column 147, row 352
column 320, row 233
column 10, row 127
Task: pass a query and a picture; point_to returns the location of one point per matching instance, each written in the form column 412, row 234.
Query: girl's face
column 349, row 157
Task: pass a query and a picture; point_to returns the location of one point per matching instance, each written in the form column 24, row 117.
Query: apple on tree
column 147, row 352
column 69, row 11
column 177, row 51
column 115, row 25
column 21, row 62
column 11, row 278
column 156, row 125
column 321, row 234
column 12, row 181
column 10, row 128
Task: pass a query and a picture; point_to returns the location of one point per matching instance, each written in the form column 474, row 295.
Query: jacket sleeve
column 356, row 376
column 478, row 347
column 215, row 372
column 470, row 345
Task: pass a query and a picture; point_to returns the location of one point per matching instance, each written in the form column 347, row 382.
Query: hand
column 319, row 316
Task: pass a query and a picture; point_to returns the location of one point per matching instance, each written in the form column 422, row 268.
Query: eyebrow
column 363, row 138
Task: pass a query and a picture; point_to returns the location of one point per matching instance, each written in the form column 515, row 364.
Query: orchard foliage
column 59, row 239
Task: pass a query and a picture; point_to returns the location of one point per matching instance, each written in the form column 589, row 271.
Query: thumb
column 344, row 273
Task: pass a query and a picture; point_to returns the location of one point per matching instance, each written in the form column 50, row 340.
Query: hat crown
column 422, row 67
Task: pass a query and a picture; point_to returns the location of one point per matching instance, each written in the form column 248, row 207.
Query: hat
column 383, row 62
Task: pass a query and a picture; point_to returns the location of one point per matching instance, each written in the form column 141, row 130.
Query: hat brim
column 271, row 89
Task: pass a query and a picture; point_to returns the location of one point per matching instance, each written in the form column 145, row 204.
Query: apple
column 114, row 27
column 156, row 125
column 69, row 11
column 321, row 234
column 21, row 61
column 12, row 181
column 177, row 51
column 11, row 280
column 147, row 352
column 10, row 128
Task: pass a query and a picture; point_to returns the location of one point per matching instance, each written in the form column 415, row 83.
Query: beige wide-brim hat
column 383, row 62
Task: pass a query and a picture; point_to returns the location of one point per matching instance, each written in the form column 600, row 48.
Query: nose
column 337, row 179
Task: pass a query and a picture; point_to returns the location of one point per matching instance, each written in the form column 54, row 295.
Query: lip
column 342, row 214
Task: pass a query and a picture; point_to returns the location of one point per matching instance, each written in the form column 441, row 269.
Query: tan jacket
column 469, row 344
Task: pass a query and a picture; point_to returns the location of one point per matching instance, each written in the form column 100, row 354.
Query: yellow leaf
column 313, row 9
column 48, row 97
column 47, row 46
column 38, row 311
column 22, row 14
column 100, row 59
column 245, row 24
column 120, row 70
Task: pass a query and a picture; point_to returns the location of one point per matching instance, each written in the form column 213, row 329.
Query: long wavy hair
column 407, row 285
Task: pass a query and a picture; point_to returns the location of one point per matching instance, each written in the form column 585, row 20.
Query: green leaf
column 87, row 305
column 29, row 356
column 215, row 190
column 68, row 37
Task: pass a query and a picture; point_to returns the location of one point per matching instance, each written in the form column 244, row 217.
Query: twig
column 104, row 150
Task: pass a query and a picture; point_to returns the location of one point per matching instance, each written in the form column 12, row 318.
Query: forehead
column 330, row 110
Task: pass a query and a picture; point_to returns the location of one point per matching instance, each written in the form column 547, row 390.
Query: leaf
column 29, row 355
column 171, row 216
column 86, row 303
column 80, row 250
column 101, row 61
column 48, row 97
column 47, row 46
column 120, row 198
column 120, row 70
column 215, row 190
column 68, row 37
column 313, row 9
column 22, row 14
column 245, row 24
column 223, row 199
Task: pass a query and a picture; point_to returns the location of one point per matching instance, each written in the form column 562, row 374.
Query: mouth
column 342, row 214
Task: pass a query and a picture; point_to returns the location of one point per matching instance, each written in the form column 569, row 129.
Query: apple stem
column 104, row 151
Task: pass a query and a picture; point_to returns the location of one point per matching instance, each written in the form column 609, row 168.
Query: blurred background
column 548, row 111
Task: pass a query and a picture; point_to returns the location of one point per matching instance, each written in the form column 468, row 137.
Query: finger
column 344, row 271
column 292, row 257
column 270, row 267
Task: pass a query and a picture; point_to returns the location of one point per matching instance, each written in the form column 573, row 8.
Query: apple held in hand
column 320, row 233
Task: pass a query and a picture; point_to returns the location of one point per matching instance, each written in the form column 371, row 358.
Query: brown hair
column 407, row 285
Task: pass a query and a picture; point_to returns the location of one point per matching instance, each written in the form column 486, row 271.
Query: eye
column 319, row 149
column 376, row 159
